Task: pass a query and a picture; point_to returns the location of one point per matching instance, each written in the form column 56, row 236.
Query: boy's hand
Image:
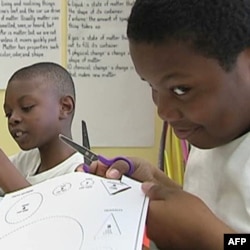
column 144, row 171
column 179, row 220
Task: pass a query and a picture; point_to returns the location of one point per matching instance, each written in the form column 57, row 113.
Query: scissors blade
column 81, row 149
column 85, row 137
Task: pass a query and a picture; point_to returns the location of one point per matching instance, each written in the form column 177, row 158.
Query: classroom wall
column 8, row 145
column 93, row 47
column 149, row 153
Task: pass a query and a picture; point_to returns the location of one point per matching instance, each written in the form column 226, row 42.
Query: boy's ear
column 246, row 55
column 245, row 58
column 67, row 106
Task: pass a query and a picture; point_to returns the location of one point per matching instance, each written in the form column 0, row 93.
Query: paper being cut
column 77, row 211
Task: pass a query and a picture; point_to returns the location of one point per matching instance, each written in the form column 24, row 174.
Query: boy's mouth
column 17, row 134
column 184, row 133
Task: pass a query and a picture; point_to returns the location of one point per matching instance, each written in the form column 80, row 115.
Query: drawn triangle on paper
column 114, row 186
column 109, row 228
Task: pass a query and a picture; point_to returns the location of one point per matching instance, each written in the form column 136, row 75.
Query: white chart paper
column 74, row 212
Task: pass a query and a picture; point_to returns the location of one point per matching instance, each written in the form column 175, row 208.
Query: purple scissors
column 89, row 156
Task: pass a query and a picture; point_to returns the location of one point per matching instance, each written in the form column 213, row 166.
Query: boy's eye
column 8, row 114
column 180, row 90
column 27, row 108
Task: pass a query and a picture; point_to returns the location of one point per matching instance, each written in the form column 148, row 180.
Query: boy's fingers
column 79, row 168
column 87, row 169
column 113, row 173
column 117, row 169
column 154, row 191
column 100, row 169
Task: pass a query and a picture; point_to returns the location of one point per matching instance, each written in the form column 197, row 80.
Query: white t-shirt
column 221, row 178
column 28, row 162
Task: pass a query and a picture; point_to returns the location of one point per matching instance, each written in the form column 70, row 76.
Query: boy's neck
column 51, row 157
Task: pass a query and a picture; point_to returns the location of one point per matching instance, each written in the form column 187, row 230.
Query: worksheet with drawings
column 111, row 97
column 76, row 211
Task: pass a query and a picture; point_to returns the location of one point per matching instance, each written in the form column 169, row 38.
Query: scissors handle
column 109, row 162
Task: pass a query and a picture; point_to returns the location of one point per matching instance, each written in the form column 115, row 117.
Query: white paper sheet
column 74, row 212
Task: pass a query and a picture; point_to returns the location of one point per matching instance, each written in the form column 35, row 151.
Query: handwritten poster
column 110, row 97
column 29, row 32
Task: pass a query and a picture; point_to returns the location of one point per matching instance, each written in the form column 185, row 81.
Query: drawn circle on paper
column 87, row 183
column 24, row 208
column 61, row 189
column 59, row 232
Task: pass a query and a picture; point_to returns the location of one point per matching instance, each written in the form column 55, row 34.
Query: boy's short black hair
column 219, row 29
column 55, row 73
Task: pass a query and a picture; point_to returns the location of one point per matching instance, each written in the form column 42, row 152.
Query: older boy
column 39, row 105
column 195, row 55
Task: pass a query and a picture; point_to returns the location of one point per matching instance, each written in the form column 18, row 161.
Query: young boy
column 195, row 55
column 39, row 105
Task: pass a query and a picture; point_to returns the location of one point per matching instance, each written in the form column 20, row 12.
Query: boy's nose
column 15, row 118
column 168, row 110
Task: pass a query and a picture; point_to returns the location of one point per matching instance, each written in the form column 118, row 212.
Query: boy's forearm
column 207, row 237
column 10, row 178
column 212, row 236
column 179, row 220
